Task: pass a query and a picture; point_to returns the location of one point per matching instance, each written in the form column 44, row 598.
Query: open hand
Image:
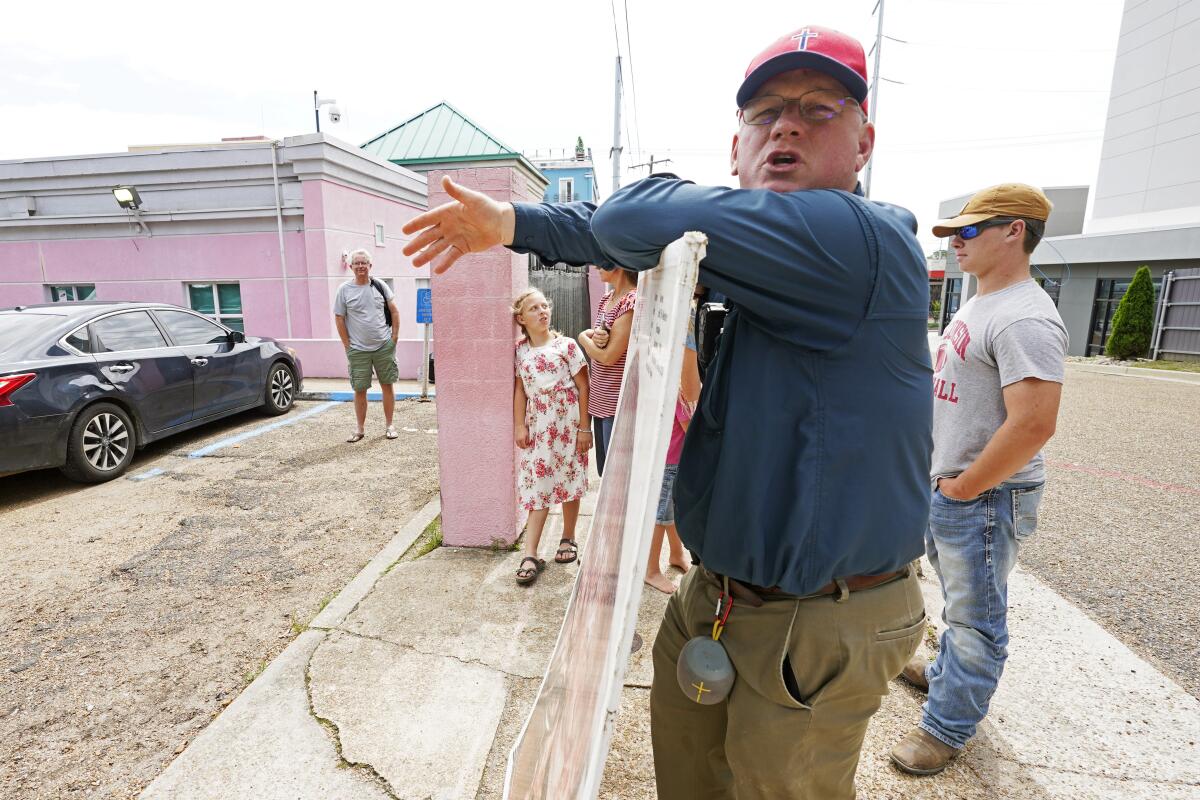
column 470, row 223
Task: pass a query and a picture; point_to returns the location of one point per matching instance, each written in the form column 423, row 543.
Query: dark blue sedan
column 83, row 385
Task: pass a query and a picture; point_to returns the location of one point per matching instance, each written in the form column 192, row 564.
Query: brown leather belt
column 753, row 595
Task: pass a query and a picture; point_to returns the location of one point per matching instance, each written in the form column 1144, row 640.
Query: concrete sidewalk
column 415, row 680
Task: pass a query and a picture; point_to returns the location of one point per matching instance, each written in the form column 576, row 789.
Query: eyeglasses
column 968, row 232
column 819, row 105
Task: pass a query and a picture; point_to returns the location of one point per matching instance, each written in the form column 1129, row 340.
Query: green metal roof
column 441, row 133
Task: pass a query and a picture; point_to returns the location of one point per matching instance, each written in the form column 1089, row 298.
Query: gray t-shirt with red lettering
column 994, row 340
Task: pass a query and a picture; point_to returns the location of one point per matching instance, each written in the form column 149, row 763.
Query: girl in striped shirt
column 605, row 344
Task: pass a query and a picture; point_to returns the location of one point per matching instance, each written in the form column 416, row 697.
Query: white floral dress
column 551, row 471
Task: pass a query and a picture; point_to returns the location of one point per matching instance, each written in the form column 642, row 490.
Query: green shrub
column 1133, row 324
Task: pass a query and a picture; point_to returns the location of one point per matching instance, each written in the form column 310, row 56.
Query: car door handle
column 199, row 362
column 122, row 368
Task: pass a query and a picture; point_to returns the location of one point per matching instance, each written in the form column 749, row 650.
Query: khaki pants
column 810, row 673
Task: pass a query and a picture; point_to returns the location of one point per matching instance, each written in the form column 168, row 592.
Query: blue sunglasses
column 968, row 232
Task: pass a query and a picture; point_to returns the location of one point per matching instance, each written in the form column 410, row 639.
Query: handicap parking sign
column 425, row 305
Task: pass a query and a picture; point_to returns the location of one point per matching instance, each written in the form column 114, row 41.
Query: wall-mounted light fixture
column 127, row 197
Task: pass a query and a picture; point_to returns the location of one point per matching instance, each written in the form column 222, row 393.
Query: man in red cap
column 802, row 486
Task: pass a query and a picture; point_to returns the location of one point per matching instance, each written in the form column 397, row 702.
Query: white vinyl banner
column 561, row 751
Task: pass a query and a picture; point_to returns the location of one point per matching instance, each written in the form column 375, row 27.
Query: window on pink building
column 220, row 301
column 69, row 294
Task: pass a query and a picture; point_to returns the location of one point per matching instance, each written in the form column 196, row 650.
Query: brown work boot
column 919, row 753
column 914, row 671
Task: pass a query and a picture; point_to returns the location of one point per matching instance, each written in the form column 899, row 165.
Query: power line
column 616, row 36
column 1052, row 137
column 632, row 83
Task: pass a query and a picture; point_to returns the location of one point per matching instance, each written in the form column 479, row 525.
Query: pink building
column 250, row 232
column 472, row 325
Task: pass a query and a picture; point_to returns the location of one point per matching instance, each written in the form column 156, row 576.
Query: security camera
column 335, row 114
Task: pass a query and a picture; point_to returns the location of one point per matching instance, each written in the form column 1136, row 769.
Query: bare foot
column 660, row 582
column 681, row 562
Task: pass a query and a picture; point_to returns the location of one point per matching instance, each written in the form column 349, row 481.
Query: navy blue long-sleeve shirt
column 808, row 458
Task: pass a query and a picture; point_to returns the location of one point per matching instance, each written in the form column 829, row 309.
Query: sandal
column 527, row 575
column 391, row 432
column 357, row 437
column 566, row 547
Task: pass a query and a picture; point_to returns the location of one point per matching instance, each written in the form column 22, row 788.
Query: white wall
column 1149, row 174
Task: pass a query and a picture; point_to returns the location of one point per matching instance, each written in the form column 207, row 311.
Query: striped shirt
column 604, row 381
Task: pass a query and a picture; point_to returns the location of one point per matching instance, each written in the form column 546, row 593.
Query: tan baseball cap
column 1002, row 200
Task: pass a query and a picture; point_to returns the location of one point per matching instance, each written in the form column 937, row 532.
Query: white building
column 1145, row 206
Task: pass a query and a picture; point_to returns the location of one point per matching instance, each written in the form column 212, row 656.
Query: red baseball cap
column 822, row 49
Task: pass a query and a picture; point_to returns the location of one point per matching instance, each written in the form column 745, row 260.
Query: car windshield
column 19, row 329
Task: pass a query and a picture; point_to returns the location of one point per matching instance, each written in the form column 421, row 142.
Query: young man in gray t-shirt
column 370, row 342
column 997, row 379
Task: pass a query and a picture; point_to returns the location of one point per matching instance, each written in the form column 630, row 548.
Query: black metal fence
column 566, row 288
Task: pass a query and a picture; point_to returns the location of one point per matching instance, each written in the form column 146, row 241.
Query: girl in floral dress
column 552, row 428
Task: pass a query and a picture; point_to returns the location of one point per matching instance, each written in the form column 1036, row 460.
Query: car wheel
column 280, row 393
column 101, row 444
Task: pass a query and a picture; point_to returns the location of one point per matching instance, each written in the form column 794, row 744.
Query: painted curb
column 349, row 597
column 346, row 397
column 1138, row 372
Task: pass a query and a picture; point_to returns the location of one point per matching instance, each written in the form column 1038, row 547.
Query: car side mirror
column 236, row 337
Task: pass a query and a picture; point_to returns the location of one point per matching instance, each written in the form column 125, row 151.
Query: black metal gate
column 566, row 288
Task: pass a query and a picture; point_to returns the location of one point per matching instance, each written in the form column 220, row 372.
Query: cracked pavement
column 417, row 684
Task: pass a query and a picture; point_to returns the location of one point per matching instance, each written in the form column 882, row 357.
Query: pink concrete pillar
column 474, row 336
column 596, row 290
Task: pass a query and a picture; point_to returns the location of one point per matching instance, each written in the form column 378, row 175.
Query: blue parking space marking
column 241, row 437
column 150, row 473
column 375, row 396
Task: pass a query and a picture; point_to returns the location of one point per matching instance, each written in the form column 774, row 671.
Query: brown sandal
column 527, row 575
column 566, row 547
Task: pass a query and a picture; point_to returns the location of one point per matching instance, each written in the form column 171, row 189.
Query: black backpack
column 387, row 309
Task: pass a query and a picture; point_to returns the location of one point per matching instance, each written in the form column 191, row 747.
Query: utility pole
column 616, row 148
column 874, row 102
column 651, row 163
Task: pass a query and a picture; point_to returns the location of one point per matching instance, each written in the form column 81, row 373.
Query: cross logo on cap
column 804, row 36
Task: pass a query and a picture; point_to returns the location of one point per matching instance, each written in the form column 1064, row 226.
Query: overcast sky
column 985, row 90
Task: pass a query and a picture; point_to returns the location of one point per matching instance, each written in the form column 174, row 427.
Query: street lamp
column 335, row 113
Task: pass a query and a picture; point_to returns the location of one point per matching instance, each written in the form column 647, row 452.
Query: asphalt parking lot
column 1119, row 527
column 137, row 609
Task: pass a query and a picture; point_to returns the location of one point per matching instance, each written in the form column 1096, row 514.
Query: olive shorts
column 382, row 361
column 810, row 673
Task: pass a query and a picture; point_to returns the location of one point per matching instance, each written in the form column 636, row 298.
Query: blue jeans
column 603, row 427
column 972, row 545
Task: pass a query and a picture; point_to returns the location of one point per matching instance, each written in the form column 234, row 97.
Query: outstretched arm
column 470, row 223
column 473, row 222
